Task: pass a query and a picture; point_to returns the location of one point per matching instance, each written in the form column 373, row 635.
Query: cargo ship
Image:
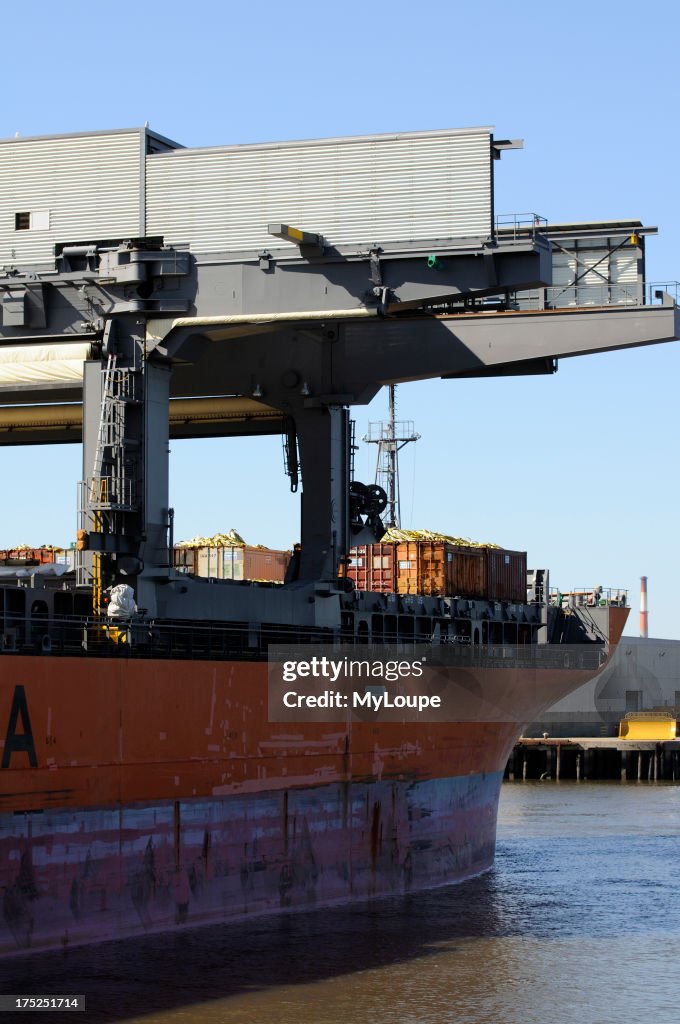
column 145, row 787
column 153, row 772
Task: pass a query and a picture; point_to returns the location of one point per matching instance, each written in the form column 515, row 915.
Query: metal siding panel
column 593, row 273
column 624, row 274
column 350, row 191
column 624, row 266
column 89, row 184
column 562, row 292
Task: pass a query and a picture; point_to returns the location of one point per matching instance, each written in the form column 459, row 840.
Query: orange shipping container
column 29, row 556
column 438, row 569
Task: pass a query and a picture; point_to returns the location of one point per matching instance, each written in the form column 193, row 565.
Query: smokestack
column 643, row 607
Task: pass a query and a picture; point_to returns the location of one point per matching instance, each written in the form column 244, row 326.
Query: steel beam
column 354, row 358
column 189, row 418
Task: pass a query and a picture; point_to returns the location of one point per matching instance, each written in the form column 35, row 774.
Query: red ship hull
column 142, row 795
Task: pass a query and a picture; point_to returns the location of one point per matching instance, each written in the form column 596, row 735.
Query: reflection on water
column 578, row 922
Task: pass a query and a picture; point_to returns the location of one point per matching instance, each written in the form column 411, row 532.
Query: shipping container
column 234, row 562
column 371, row 566
column 29, row 556
column 432, row 568
column 466, row 571
column 438, row 568
column 184, row 559
column 264, row 564
column 506, row 575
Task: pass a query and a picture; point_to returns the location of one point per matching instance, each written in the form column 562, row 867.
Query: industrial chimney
column 643, row 607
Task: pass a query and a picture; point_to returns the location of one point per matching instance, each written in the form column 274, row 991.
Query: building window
column 32, row 220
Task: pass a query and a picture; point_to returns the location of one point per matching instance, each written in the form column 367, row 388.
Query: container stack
column 226, row 556
column 438, row 565
column 24, row 556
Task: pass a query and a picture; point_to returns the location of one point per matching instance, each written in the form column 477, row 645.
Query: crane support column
column 324, row 440
column 124, row 494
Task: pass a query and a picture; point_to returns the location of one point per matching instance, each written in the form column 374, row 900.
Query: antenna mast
column 390, row 438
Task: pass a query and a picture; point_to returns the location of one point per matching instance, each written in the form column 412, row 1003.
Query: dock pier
column 594, row 758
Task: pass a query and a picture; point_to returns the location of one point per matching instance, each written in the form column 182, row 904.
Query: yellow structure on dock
column 659, row 726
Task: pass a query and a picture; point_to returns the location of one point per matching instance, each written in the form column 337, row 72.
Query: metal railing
column 589, row 597
column 516, row 224
column 567, row 296
column 579, row 296
column 655, row 291
column 92, row 637
column 107, row 494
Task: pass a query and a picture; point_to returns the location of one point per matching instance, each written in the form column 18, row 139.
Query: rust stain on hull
column 134, row 817
column 88, row 875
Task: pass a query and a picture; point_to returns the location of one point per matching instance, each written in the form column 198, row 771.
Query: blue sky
column 579, row 469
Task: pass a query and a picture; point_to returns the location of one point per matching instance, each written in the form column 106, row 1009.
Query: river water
column 579, row 921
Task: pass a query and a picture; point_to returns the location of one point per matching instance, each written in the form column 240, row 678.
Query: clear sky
column 580, row 469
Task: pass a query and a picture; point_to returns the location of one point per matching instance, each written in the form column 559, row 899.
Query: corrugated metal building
column 382, row 188
column 130, row 183
column 72, row 188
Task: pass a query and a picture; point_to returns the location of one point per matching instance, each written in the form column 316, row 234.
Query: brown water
column 579, row 921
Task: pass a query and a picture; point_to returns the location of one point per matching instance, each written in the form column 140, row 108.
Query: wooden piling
column 588, row 757
column 595, row 757
column 550, row 762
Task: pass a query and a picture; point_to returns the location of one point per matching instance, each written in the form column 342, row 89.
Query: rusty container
column 263, row 564
column 466, row 571
column 371, row 566
column 29, row 556
column 421, row 567
column 46, row 556
column 506, row 575
column 440, row 569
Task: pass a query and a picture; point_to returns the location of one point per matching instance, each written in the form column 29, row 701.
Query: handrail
column 520, row 223
column 589, row 597
column 655, row 291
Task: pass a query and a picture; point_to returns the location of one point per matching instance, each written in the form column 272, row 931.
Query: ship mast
column 390, row 437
